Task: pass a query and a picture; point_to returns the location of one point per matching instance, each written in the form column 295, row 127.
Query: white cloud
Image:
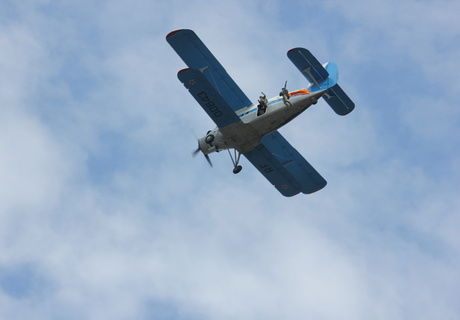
column 102, row 202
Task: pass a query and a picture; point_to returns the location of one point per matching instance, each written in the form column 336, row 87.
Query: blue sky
column 105, row 215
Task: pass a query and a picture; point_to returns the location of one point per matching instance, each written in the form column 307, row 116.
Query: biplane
column 251, row 130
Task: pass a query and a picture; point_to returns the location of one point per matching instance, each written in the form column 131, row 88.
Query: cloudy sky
column 105, row 215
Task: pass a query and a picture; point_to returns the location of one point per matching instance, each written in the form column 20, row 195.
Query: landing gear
column 236, row 160
column 237, row 169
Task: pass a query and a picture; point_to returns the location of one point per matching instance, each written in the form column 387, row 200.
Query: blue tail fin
column 322, row 77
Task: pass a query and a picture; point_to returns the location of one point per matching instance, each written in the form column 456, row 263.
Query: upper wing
column 208, row 97
column 197, row 56
column 284, row 166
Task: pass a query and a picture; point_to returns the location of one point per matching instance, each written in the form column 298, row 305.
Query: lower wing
column 208, row 97
column 284, row 166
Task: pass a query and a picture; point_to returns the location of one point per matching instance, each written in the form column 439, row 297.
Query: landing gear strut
column 236, row 160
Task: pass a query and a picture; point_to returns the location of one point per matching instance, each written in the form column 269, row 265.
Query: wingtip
column 183, row 70
column 176, row 31
column 297, row 49
column 173, row 33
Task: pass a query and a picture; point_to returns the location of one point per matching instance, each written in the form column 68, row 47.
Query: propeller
column 194, row 153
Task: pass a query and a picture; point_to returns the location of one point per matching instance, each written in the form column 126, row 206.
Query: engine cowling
column 212, row 142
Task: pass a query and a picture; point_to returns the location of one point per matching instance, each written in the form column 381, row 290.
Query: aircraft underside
column 249, row 129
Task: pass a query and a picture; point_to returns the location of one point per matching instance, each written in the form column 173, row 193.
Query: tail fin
column 322, row 77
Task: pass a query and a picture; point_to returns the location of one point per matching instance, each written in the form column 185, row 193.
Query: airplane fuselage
column 250, row 129
column 246, row 134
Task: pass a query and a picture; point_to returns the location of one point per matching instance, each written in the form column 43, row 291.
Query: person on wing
column 263, row 104
column 285, row 94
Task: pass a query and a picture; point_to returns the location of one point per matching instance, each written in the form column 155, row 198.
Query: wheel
column 237, row 169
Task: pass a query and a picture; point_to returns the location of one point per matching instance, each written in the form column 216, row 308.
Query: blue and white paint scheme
column 251, row 129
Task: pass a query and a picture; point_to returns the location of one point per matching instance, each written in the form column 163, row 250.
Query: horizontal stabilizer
column 338, row 100
column 208, row 97
column 322, row 77
column 308, row 65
